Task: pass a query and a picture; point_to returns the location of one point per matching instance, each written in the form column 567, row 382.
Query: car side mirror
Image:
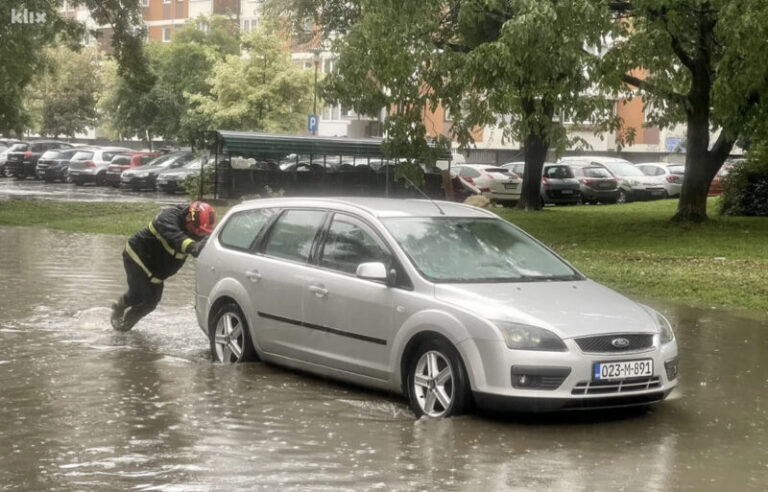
column 373, row 271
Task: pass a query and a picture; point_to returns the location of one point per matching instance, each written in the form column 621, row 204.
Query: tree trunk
column 535, row 153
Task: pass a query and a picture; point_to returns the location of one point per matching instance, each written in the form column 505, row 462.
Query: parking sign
column 312, row 122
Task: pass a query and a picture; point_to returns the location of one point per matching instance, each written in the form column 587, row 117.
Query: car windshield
column 623, row 169
column 461, row 249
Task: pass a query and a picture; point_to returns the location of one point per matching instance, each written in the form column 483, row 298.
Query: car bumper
column 643, row 194
column 573, row 388
column 112, row 178
column 169, row 186
column 137, row 183
column 592, row 194
column 51, row 173
column 83, row 176
column 561, row 196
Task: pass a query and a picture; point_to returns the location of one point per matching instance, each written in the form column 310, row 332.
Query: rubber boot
column 117, row 313
column 131, row 318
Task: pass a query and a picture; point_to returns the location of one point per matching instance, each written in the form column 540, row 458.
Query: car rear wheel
column 230, row 340
column 622, row 198
column 437, row 381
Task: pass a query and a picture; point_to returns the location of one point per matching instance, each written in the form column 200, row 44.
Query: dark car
column 143, row 177
column 597, row 184
column 123, row 162
column 5, row 145
column 54, row 164
column 559, row 185
column 171, row 180
column 23, row 157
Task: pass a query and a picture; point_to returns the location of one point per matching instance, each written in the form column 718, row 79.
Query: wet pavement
column 40, row 190
column 85, row 408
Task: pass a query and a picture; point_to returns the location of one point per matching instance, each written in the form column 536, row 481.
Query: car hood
column 570, row 309
column 175, row 173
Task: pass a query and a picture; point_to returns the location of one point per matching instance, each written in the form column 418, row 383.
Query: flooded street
column 67, row 192
column 85, row 408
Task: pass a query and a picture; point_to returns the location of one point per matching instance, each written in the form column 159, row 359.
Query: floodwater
column 85, row 408
column 68, row 192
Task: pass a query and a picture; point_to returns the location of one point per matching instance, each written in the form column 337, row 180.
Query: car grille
column 618, row 386
column 602, row 344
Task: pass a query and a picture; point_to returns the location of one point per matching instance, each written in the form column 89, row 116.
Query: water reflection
column 84, row 407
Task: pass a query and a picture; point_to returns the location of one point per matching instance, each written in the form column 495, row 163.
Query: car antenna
column 425, row 195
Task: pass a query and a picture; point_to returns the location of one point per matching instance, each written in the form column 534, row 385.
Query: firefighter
column 155, row 253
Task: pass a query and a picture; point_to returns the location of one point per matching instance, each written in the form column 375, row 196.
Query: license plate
column 606, row 371
column 605, row 185
column 567, row 192
column 510, row 186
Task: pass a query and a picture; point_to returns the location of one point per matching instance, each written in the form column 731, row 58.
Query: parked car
column 22, row 157
column 170, row 180
column 143, row 177
column 90, row 165
column 596, row 184
column 5, row 145
column 54, row 164
column 633, row 184
column 439, row 301
column 669, row 175
column 122, row 162
column 496, row 183
column 558, row 184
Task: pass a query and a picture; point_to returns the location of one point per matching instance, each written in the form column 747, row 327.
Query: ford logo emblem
column 620, row 342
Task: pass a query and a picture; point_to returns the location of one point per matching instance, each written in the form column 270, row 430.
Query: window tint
column 122, row 160
column 350, row 243
column 496, row 170
column 241, row 230
column 558, row 172
column 595, row 172
column 293, row 234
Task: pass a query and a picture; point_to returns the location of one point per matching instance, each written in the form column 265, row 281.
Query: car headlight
column 527, row 337
column 666, row 334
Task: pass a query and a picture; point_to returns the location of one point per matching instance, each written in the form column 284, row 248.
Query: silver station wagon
column 444, row 303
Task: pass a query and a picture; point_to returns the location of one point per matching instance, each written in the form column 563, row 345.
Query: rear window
column 145, row 159
column 496, row 170
column 82, row 156
column 122, row 160
column 51, row 154
column 18, row 147
column 242, row 229
column 677, row 169
column 558, row 172
column 108, row 156
column 595, row 172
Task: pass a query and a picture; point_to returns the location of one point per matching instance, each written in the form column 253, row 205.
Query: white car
column 89, row 165
column 497, row 184
column 439, row 301
column 669, row 175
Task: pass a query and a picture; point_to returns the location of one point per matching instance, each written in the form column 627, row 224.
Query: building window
column 166, row 34
column 145, row 3
column 246, row 25
column 201, row 26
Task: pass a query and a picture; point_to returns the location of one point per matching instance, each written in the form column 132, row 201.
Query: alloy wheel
column 433, row 384
column 229, row 338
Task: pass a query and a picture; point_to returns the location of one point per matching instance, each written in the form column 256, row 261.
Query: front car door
column 352, row 319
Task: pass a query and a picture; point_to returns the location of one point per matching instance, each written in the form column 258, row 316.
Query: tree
column 489, row 62
column 63, row 95
column 705, row 67
column 262, row 91
column 22, row 47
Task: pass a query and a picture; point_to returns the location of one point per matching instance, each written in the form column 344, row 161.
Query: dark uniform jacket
column 161, row 248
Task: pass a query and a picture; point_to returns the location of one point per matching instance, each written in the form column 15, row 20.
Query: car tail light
column 673, row 179
column 27, row 154
column 469, row 180
column 90, row 164
column 545, row 181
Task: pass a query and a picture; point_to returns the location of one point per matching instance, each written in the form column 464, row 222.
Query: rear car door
column 276, row 280
column 349, row 320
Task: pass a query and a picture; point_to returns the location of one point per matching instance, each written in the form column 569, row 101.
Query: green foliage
column 63, row 96
column 263, row 91
column 745, row 187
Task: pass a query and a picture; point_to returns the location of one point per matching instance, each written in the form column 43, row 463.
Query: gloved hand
column 196, row 247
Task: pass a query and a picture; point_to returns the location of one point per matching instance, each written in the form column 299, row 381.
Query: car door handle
column 253, row 275
column 319, row 290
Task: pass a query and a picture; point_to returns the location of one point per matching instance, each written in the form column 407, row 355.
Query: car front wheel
column 622, row 198
column 230, row 340
column 437, row 381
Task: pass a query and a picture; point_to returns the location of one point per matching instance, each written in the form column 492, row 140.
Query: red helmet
column 200, row 218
